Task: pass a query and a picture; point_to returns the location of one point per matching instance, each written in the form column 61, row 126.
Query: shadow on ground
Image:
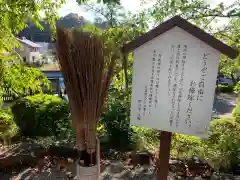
column 224, row 104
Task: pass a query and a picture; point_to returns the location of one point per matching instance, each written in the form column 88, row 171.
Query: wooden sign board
column 174, row 79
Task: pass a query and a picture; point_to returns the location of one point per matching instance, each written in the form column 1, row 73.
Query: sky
column 130, row 5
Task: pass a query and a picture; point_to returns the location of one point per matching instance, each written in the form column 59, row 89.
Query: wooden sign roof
column 188, row 27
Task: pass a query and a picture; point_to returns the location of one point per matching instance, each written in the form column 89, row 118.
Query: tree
column 122, row 31
column 23, row 81
column 231, row 35
column 15, row 15
column 110, row 13
column 123, row 27
column 100, row 1
column 202, row 15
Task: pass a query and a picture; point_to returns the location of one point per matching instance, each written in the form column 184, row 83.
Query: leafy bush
column 41, row 115
column 186, row 146
column 8, row 128
column 22, row 81
column 222, row 148
column 182, row 145
column 236, row 111
column 115, row 119
column 225, row 88
column 5, row 118
column 146, row 139
column 237, row 88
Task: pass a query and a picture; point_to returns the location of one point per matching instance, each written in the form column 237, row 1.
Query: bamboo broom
column 87, row 69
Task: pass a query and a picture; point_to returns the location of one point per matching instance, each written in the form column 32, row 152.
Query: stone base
column 87, row 173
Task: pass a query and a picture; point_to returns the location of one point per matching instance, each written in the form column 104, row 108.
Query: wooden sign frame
column 165, row 138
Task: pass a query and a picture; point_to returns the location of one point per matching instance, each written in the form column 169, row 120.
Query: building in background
column 30, row 51
column 55, row 77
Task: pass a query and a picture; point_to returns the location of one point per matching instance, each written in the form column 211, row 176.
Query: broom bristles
column 87, row 74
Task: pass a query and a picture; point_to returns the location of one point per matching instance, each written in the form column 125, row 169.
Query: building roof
column 51, row 67
column 188, row 27
column 29, row 43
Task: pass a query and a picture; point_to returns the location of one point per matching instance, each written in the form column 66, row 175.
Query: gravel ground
column 113, row 171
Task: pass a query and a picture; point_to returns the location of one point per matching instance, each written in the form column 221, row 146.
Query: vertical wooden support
column 164, row 155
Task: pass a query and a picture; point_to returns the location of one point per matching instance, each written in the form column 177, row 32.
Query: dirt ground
column 113, row 170
column 117, row 170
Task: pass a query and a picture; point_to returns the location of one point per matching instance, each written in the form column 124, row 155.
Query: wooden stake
column 164, row 155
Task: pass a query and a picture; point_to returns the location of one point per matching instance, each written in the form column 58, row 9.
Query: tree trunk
column 233, row 79
column 92, row 172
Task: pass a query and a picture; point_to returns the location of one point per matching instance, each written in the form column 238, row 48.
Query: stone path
column 224, row 104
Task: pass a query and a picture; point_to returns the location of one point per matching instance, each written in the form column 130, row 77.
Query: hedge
column 40, row 115
column 8, row 128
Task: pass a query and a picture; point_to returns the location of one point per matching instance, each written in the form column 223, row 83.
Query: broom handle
column 87, row 175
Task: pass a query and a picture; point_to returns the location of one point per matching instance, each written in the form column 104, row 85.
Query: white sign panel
column 174, row 79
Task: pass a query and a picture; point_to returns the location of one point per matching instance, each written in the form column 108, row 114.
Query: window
column 33, row 58
column 24, row 59
column 34, row 49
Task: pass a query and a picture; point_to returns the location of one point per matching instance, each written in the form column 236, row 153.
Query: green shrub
column 182, row 145
column 146, row 139
column 186, row 146
column 237, row 88
column 8, row 129
column 222, row 148
column 236, row 111
column 225, row 88
column 41, row 115
column 6, row 118
column 115, row 119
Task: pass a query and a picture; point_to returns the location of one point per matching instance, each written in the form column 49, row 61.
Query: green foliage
column 5, row 117
column 222, row 148
column 22, row 81
column 111, row 13
column 8, row 128
column 236, row 111
column 115, row 119
column 41, row 115
column 225, row 88
column 231, row 35
column 14, row 16
column 101, row 1
column 198, row 11
column 237, row 88
column 146, row 139
column 228, row 67
column 185, row 146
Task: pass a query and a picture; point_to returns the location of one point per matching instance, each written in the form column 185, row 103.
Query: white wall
column 27, row 52
column 35, row 54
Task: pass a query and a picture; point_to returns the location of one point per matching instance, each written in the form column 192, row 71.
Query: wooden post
column 164, row 155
